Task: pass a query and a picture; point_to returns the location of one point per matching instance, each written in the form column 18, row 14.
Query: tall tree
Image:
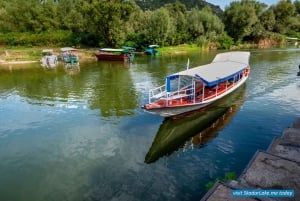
column 239, row 18
column 212, row 24
column 108, row 20
column 297, row 6
column 49, row 13
column 24, row 16
column 159, row 26
column 178, row 12
column 283, row 11
column 4, row 25
column 267, row 19
column 195, row 26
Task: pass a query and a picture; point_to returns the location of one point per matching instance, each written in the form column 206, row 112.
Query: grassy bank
column 180, row 49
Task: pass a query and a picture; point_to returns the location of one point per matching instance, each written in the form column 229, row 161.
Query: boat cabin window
column 180, row 83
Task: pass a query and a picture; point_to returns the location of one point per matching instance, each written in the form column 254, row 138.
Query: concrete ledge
column 278, row 168
column 268, row 171
column 296, row 124
column 285, row 148
column 292, row 134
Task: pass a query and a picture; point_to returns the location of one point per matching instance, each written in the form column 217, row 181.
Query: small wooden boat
column 49, row 59
column 198, row 87
column 111, row 54
column 152, row 50
column 69, row 57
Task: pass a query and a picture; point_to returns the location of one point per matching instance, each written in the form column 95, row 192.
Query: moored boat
column 152, row 50
column 49, row 59
column 69, row 57
column 198, row 87
column 112, row 54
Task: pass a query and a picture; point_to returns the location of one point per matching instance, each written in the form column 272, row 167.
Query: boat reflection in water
column 72, row 70
column 196, row 128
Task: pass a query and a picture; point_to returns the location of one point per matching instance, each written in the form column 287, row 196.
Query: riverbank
column 24, row 55
column 17, row 58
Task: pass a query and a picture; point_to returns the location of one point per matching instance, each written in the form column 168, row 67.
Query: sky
column 223, row 3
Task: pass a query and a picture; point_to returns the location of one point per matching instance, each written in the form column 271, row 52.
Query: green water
column 81, row 134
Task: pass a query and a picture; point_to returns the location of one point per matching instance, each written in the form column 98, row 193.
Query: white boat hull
column 176, row 110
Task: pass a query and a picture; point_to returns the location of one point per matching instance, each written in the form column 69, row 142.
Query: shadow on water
column 201, row 126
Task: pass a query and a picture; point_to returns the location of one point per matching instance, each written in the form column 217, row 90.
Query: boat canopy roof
column 123, row 49
column 66, row 49
column 111, row 50
column 128, row 48
column 153, row 46
column 224, row 67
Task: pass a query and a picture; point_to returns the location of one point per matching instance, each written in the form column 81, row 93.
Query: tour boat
column 198, row 87
column 69, row 57
column 152, row 50
column 49, row 59
column 111, row 54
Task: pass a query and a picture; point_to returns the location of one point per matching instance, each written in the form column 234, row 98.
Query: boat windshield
column 180, row 83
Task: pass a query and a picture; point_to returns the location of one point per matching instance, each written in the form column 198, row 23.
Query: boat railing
column 157, row 93
column 184, row 95
column 189, row 95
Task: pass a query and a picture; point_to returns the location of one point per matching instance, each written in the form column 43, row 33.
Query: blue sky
column 223, row 3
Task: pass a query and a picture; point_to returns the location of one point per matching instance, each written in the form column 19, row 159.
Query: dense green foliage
column 251, row 20
column 189, row 4
column 115, row 23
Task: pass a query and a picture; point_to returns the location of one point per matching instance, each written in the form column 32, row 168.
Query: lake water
column 81, row 135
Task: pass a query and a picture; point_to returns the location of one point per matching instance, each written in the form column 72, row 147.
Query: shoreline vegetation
column 26, row 55
column 176, row 26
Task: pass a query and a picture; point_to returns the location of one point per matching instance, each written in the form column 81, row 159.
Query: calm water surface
column 80, row 135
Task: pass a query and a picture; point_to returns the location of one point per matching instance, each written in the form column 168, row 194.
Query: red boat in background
column 111, row 54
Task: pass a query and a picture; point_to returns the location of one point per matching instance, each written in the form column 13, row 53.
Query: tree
column 283, row 11
column 4, row 27
column 195, row 26
column 178, row 12
column 225, row 41
column 267, row 19
column 239, row 18
column 107, row 19
column 212, row 24
column 159, row 26
column 48, row 16
column 297, row 6
column 23, row 16
column 295, row 22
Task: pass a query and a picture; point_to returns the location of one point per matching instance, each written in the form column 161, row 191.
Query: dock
column 274, row 169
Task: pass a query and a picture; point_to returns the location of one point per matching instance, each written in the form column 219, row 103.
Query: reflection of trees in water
column 72, row 70
column 106, row 86
column 195, row 128
column 115, row 94
column 34, row 83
